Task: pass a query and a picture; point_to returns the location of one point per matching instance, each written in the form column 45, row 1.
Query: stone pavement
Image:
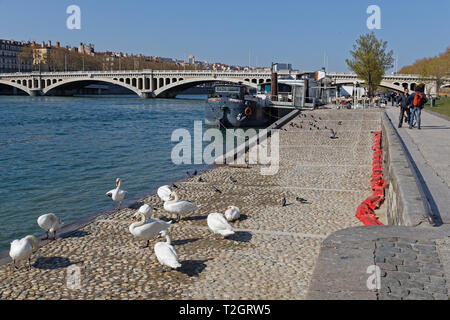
column 273, row 252
column 414, row 262
column 430, row 150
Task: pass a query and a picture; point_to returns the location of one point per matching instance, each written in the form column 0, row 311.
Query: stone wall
column 405, row 206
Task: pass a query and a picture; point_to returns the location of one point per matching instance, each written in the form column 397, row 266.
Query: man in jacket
column 416, row 105
column 402, row 102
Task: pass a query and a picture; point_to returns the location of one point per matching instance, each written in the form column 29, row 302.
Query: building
column 40, row 56
column 10, row 60
column 86, row 49
column 191, row 60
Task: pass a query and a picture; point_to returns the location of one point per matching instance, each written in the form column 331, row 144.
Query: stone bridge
column 169, row 83
column 397, row 82
column 146, row 83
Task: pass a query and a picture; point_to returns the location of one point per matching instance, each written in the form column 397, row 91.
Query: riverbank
column 275, row 248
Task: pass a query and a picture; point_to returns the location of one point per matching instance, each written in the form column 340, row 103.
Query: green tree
column 370, row 60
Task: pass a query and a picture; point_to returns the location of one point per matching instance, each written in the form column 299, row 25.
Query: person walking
column 402, row 102
column 416, row 101
column 394, row 97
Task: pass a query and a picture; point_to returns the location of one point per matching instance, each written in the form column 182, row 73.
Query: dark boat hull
column 231, row 114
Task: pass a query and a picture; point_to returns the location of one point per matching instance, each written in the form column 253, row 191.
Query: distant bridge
column 169, row 83
column 398, row 82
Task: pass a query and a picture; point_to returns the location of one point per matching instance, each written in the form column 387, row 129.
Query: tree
column 434, row 70
column 25, row 55
column 370, row 60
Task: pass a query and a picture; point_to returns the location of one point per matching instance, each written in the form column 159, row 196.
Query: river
column 62, row 154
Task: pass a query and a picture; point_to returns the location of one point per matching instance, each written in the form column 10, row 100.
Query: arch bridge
column 169, row 83
column 397, row 82
column 146, row 83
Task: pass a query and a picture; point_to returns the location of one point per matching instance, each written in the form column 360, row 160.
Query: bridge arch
column 187, row 83
column 383, row 84
column 16, row 85
column 58, row 84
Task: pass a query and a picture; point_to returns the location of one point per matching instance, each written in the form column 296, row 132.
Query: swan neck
column 141, row 221
column 34, row 242
column 168, row 240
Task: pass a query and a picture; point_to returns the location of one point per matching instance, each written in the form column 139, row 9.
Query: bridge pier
column 35, row 92
column 146, row 95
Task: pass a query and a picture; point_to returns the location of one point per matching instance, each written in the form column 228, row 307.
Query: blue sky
column 295, row 31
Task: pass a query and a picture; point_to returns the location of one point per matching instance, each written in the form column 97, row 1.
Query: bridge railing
column 145, row 71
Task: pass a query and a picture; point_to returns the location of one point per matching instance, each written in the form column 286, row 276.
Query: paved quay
column 273, row 252
column 430, row 151
column 413, row 261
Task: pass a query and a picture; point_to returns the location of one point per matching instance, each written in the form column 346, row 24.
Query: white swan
column 232, row 213
column 175, row 205
column 147, row 231
column 50, row 223
column 218, row 224
column 165, row 253
column 117, row 194
column 164, row 193
column 23, row 249
column 147, row 211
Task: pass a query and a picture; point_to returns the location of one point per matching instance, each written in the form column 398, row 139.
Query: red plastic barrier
column 373, row 202
column 366, row 215
column 365, row 211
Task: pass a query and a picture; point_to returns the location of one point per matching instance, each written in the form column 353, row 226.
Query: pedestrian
column 402, row 102
column 394, row 97
column 416, row 101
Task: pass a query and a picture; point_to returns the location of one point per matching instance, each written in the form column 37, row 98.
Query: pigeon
column 188, row 174
column 326, row 127
column 340, row 122
column 332, row 134
column 232, row 179
column 310, row 128
column 302, row 200
column 195, row 173
column 200, row 179
column 216, row 190
column 174, row 186
column 283, row 202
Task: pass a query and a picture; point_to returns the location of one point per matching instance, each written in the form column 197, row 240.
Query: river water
column 62, row 154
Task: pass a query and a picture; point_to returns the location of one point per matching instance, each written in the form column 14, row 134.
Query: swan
column 175, row 205
column 146, row 210
column 117, row 194
column 232, row 213
column 165, row 253
column 23, row 249
column 50, row 223
column 147, row 231
column 164, row 193
column 218, row 224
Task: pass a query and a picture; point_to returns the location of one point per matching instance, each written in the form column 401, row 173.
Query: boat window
column 284, row 88
column 228, row 89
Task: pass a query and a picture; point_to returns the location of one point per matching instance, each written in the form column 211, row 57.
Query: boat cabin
column 229, row 91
